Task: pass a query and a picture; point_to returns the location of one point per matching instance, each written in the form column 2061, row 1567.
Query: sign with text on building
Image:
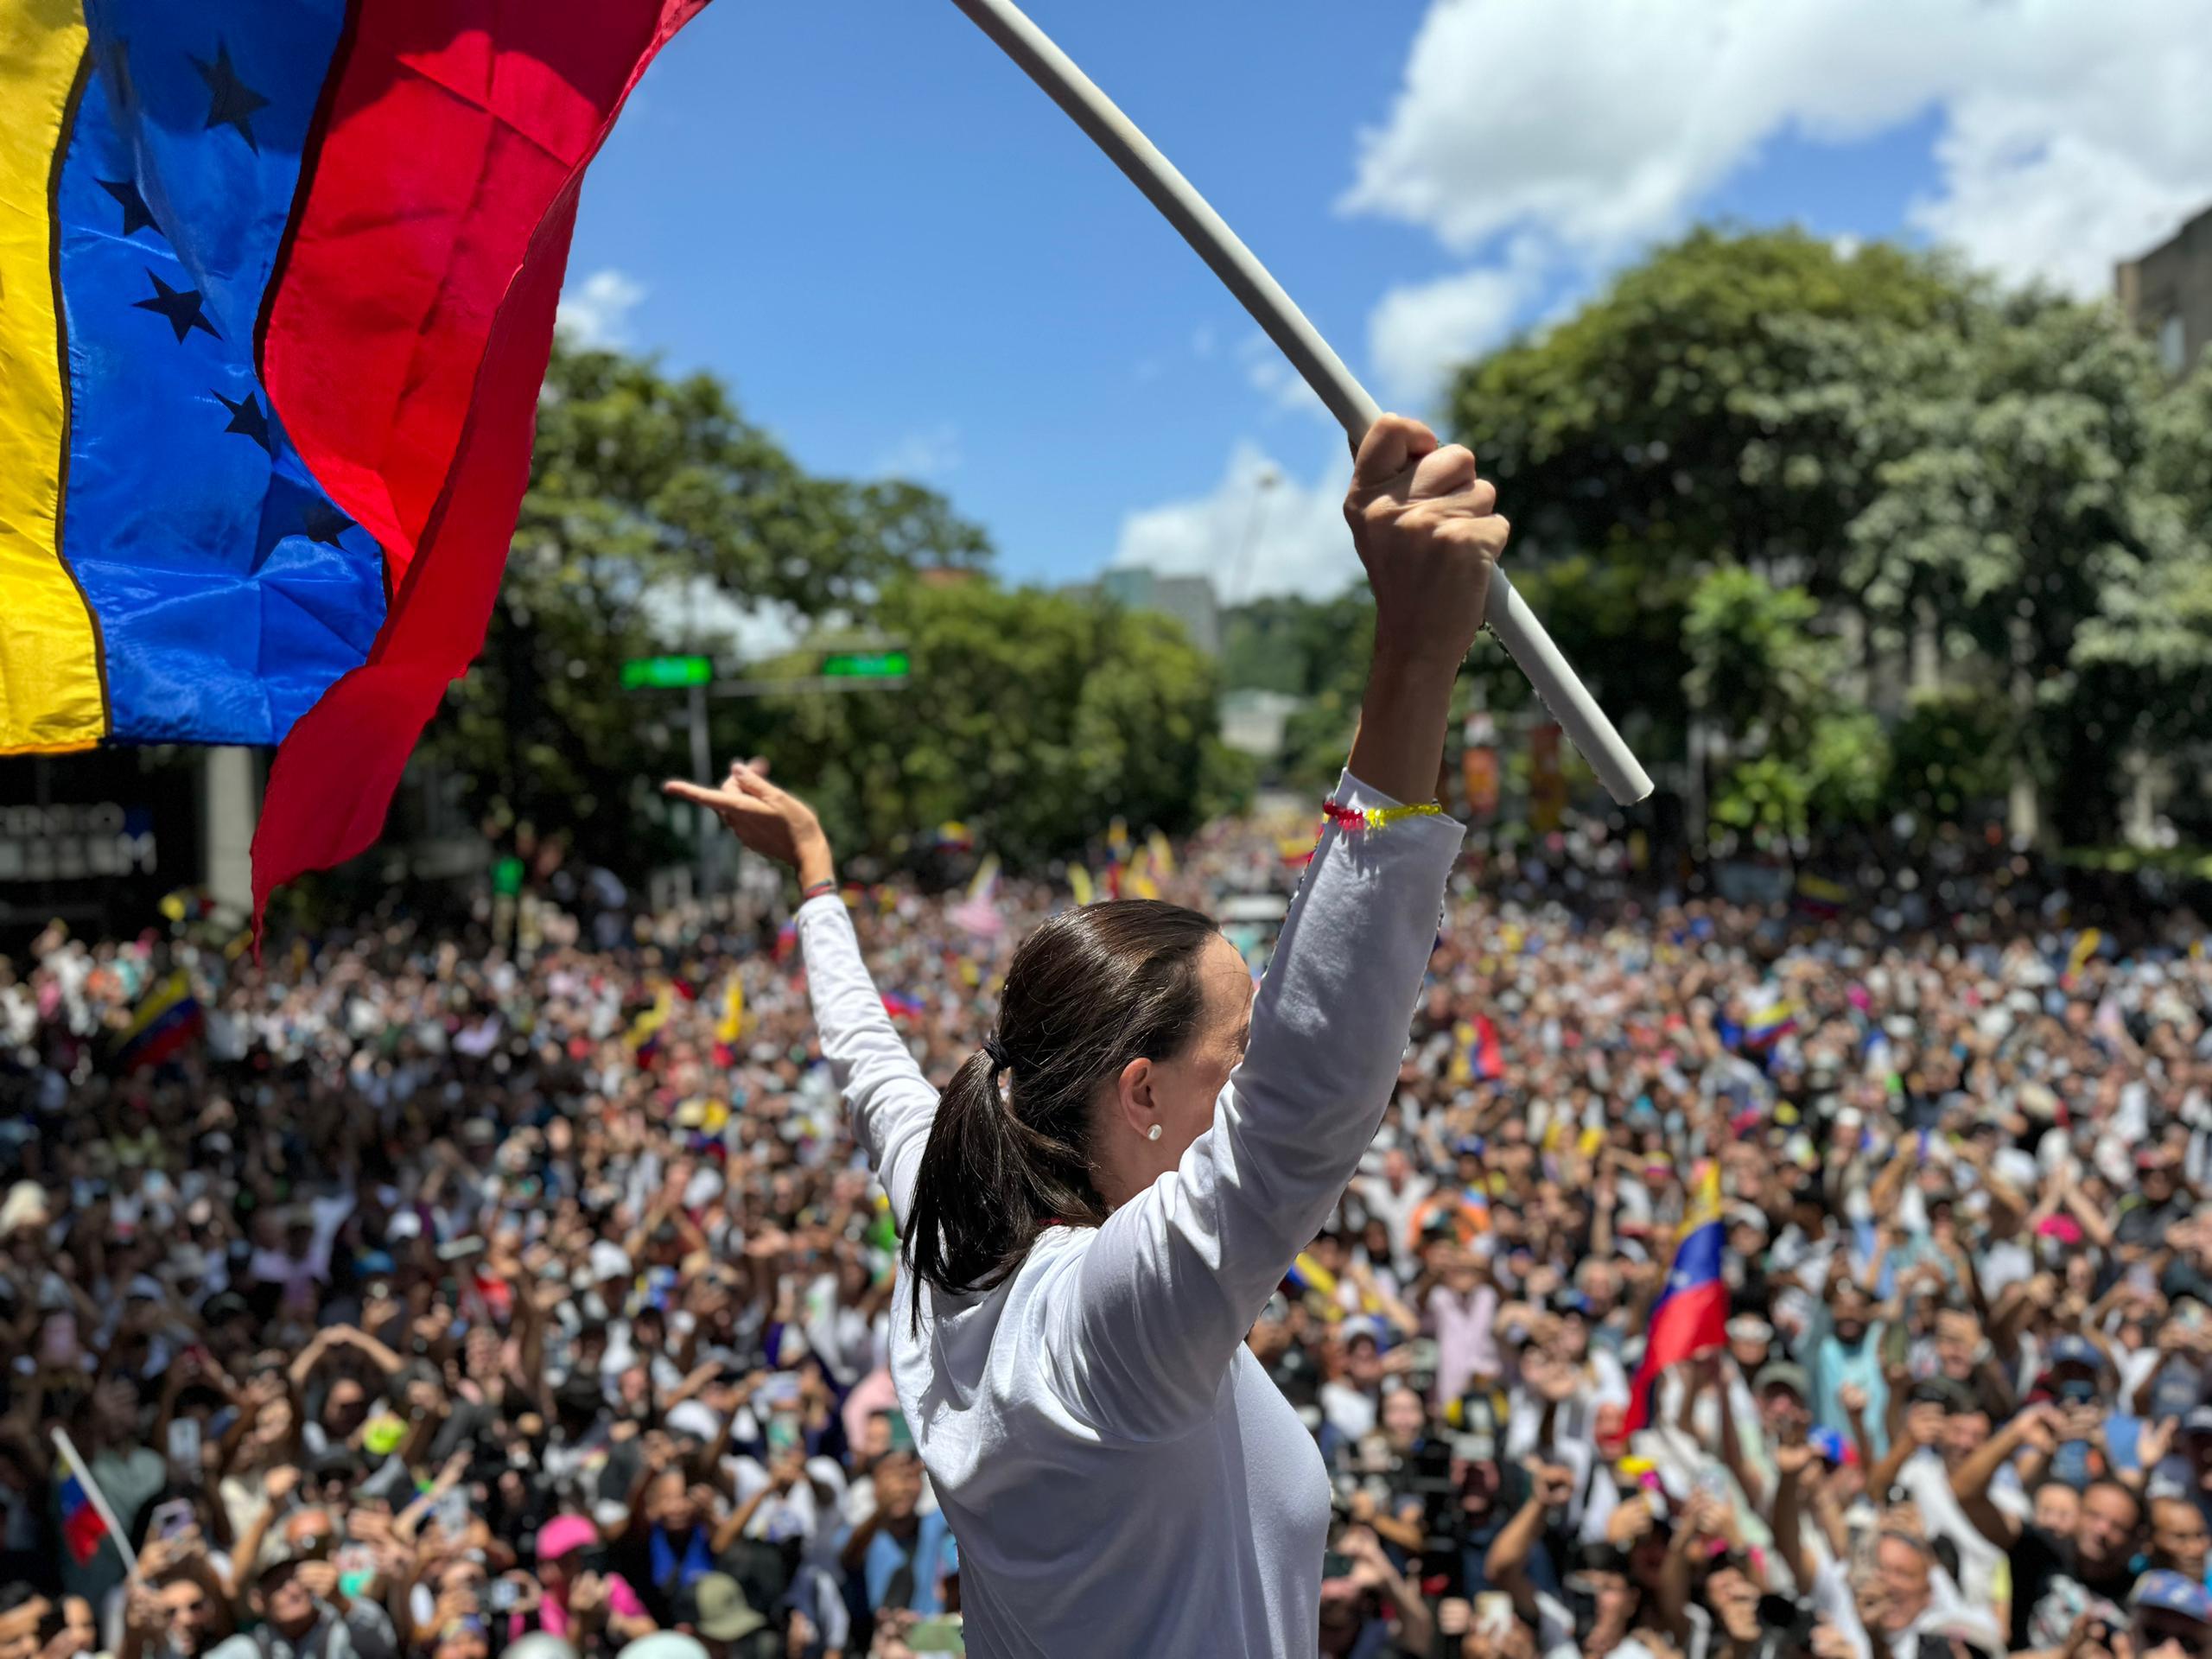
column 76, row 841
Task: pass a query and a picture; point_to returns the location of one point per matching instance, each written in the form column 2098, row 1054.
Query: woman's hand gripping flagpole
column 1510, row 617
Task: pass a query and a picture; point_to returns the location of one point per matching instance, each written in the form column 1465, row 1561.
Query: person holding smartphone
column 1109, row 1190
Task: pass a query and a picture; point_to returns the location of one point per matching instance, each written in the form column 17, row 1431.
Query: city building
column 2167, row 293
column 1254, row 722
column 1189, row 600
column 96, row 840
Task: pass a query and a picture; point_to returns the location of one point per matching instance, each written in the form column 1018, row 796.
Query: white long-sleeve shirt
column 1122, row 1475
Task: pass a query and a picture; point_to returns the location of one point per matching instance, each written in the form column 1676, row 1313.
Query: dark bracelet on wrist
column 816, row 889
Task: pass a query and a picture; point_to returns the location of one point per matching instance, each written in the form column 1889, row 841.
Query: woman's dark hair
column 1089, row 991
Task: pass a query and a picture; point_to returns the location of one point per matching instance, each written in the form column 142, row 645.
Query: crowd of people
column 433, row 1300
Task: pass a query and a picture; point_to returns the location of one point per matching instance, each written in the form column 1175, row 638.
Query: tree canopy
column 657, row 514
column 1759, row 478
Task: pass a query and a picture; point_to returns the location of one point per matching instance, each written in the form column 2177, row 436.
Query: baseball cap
column 1359, row 1325
column 608, row 1261
column 1749, row 1327
column 1784, row 1375
column 664, row 1645
column 564, row 1535
column 280, row 1555
column 223, row 1305
column 724, row 1613
column 1940, row 1391
column 1835, row 1447
column 2173, row 1592
column 694, row 1419
column 2076, row 1350
column 2198, row 1421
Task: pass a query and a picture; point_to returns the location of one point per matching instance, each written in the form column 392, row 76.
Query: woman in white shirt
column 1102, row 1201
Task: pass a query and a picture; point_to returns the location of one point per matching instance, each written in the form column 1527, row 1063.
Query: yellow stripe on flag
column 50, row 696
column 1705, row 1200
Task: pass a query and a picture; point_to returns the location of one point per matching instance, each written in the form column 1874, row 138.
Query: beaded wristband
column 1353, row 821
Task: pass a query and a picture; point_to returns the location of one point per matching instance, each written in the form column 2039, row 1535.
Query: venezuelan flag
column 1310, row 1278
column 731, row 1026
column 163, row 1023
column 1692, row 1312
column 2086, row 946
column 643, row 1038
column 85, row 1513
column 276, row 293
column 82, row 1530
column 1776, row 1021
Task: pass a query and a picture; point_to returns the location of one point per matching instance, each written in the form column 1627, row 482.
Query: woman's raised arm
column 1179, row 1273
column 891, row 1101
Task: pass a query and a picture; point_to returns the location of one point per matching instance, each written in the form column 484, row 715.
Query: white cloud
column 697, row 613
column 1268, row 373
column 2072, row 135
column 597, row 312
column 917, row 456
column 1202, row 340
column 1298, row 542
column 1420, row 330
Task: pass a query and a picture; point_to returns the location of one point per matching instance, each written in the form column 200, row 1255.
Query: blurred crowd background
column 406, row 1294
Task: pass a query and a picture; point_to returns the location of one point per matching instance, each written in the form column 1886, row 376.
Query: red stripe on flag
column 1683, row 1326
column 82, row 1526
column 407, row 340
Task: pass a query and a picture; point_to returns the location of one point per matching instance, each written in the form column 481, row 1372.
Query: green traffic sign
column 657, row 673
column 866, row 665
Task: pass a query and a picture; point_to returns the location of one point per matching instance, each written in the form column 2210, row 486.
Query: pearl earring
column 1152, row 1134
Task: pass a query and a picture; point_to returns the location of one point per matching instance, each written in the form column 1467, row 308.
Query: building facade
column 2167, row 293
column 1189, row 600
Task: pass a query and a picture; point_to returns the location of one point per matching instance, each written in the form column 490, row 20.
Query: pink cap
column 563, row 1534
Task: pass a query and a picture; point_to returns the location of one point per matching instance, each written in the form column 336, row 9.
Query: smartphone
column 1493, row 1613
column 902, row 1433
column 779, row 1390
column 936, row 1635
column 1335, row 1564
column 503, row 1595
column 783, row 1433
column 461, row 1250
column 184, row 1446
column 1897, row 1345
column 57, row 1339
column 171, row 1520
column 451, row 1512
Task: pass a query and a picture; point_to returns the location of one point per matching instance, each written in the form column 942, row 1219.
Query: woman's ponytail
column 1009, row 1154
column 987, row 1185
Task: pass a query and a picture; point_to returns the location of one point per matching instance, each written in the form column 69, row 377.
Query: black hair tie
column 994, row 1051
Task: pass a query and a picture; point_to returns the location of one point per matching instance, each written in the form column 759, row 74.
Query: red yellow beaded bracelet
column 1355, row 821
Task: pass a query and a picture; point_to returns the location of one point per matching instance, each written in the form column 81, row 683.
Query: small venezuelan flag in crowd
column 167, row 1021
column 1691, row 1315
column 84, row 1514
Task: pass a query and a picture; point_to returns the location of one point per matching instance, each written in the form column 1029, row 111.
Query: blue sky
column 903, row 258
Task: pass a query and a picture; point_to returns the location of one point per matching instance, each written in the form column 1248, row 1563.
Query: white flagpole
column 77, row 1467
column 1510, row 618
